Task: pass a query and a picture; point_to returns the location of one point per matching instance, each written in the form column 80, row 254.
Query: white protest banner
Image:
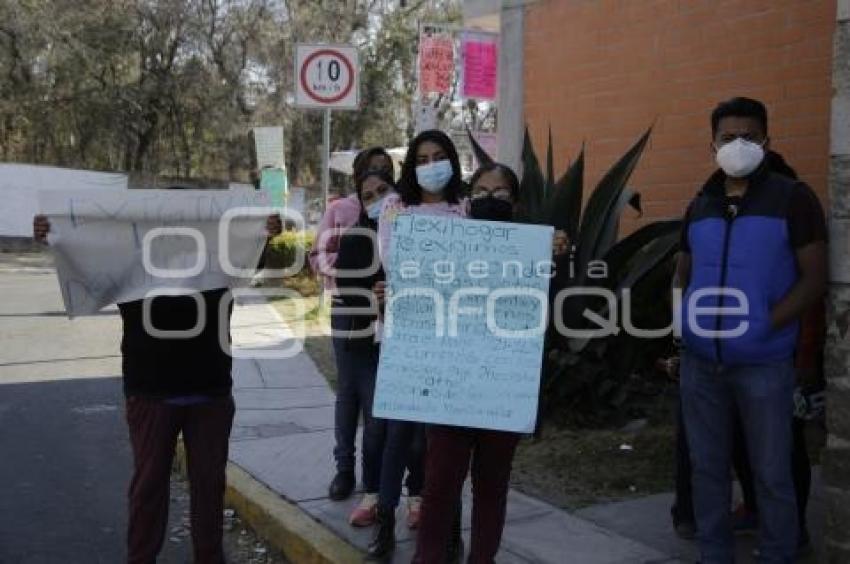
column 117, row 246
column 20, row 183
column 464, row 322
column 268, row 142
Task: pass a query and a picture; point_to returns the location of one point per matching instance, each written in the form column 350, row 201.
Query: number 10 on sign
column 327, row 77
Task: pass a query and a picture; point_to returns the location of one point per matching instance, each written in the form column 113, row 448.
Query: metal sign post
column 327, row 78
column 326, row 157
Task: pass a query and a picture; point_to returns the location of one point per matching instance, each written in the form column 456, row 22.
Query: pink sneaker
column 414, row 512
column 366, row 512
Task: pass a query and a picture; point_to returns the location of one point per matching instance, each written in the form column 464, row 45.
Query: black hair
column 504, row 170
column 358, row 184
column 408, row 186
column 739, row 107
column 361, row 162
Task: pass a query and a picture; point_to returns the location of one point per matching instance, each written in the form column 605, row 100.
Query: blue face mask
column 434, row 177
column 373, row 210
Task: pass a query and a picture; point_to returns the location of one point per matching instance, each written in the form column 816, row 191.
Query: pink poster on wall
column 436, row 63
column 480, row 65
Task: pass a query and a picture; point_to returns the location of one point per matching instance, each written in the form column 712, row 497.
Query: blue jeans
column 763, row 396
column 404, row 447
column 357, row 366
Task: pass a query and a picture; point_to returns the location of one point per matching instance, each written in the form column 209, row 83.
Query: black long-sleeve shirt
column 165, row 367
column 357, row 252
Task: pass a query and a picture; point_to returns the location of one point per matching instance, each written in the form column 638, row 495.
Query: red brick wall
column 603, row 70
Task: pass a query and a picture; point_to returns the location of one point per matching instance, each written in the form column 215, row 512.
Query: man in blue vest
column 753, row 260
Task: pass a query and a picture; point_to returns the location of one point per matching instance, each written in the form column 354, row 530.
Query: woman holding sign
column 355, row 346
column 430, row 184
column 340, row 215
column 494, row 194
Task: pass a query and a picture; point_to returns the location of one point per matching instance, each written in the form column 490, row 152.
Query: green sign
column 273, row 181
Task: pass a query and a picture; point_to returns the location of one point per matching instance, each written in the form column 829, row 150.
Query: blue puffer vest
column 745, row 248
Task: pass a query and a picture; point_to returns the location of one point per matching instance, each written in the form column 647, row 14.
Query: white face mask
column 373, row 210
column 433, row 177
column 739, row 158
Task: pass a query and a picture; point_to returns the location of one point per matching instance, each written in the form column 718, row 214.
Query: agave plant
column 590, row 374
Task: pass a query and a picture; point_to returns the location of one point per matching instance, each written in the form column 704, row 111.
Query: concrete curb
column 301, row 538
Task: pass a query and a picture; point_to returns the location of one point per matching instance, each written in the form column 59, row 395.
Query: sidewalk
column 283, row 437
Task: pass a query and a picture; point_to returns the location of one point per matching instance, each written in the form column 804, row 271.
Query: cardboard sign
column 464, row 322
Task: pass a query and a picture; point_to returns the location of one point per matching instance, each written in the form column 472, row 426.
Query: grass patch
column 305, row 283
column 310, row 319
column 321, row 351
column 575, row 468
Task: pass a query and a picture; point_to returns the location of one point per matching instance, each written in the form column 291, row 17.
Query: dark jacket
column 357, row 252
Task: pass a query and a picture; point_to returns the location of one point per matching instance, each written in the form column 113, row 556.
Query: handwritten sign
column 464, row 325
column 20, row 184
column 480, row 65
column 436, row 63
column 268, row 142
column 116, row 246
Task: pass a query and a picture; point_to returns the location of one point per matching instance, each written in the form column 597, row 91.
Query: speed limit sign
column 327, row 76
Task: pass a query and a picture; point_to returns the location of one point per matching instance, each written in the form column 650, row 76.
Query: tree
column 173, row 87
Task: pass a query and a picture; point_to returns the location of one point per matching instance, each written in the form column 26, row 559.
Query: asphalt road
column 65, row 459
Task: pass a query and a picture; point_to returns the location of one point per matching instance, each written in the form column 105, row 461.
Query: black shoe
column 383, row 544
column 341, row 486
column 685, row 530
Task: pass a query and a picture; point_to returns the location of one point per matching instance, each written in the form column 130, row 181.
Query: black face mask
column 491, row 209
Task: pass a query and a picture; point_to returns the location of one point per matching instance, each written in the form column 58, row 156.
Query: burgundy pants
column 154, row 426
column 446, row 465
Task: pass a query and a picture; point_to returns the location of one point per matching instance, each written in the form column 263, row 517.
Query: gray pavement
column 39, row 342
column 283, row 436
column 646, row 519
column 66, row 460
